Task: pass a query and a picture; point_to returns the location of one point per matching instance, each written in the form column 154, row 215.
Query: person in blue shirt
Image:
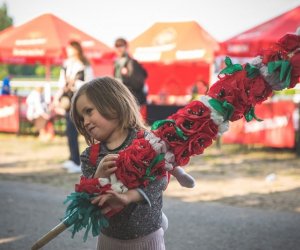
column 6, row 86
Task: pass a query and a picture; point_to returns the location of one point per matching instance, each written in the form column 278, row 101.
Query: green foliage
column 5, row 20
column 40, row 71
column 3, row 71
column 286, row 92
column 55, row 70
column 21, row 70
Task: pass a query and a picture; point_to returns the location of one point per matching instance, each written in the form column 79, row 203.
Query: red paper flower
column 271, row 56
column 289, row 42
column 192, row 118
column 167, row 132
column 181, row 153
column 257, row 90
column 91, row 186
column 295, row 73
column 133, row 163
column 231, row 88
column 198, row 143
column 240, row 91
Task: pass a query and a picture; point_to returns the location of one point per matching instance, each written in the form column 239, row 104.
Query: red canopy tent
column 263, row 36
column 176, row 56
column 44, row 40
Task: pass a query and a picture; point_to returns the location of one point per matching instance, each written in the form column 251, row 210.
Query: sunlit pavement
column 29, row 210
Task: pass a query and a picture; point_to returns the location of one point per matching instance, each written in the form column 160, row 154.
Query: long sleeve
column 87, row 169
column 153, row 191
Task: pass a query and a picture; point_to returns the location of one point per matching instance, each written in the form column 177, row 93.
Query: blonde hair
column 113, row 100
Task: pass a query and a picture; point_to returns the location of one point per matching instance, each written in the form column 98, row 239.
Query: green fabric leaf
column 230, row 68
column 159, row 123
column 223, row 107
column 252, row 71
column 284, row 68
column 250, row 115
column 156, row 160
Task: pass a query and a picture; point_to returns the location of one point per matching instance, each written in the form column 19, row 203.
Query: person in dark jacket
column 130, row 72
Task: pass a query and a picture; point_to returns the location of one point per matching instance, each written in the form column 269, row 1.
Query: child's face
column 97, row 126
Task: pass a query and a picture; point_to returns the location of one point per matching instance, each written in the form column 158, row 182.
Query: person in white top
column 39, row 114
column 75, row 72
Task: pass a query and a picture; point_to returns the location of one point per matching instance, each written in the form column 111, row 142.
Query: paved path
column 27, row 211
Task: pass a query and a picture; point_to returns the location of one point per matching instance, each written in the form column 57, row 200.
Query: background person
column 130, row 72
column 75, row 71
column 38, row 112
column 6, row 89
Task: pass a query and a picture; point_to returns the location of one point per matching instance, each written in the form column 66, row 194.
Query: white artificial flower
column 103, row 181
column 157, row 144
column 117, row 185
column 223, row 128
column 214, row 115
column 272, row 79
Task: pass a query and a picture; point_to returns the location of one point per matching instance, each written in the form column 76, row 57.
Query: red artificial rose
column 209, row 128
column 198, row 143
column 158, row 170
column 240, row 91
column 192, row 117
column 133, row 162
column 167, row 133
column 289, row 42
column 258, row 90
column 231, row 88
column 91, row 186
column 181, row 154
column 271, row 56
column 295, row 73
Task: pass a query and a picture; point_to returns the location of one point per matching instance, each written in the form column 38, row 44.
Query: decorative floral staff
column 187, row 132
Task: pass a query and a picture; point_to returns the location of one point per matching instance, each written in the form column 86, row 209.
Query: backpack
column 135, row 79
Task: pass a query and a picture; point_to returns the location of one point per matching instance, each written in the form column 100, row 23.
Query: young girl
column 105, row 111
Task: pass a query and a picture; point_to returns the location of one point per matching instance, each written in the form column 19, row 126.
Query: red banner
column 276, row 130
column 9, row 113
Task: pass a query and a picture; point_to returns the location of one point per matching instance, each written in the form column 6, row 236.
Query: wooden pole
column 49, row 236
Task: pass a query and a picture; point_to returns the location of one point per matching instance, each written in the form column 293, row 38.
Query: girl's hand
column 107, row 166
column 112, row 200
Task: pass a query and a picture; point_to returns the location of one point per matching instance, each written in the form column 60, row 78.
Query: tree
column 40, row 71
column 5, row 20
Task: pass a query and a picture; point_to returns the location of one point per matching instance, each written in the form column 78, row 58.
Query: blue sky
column 106, row 20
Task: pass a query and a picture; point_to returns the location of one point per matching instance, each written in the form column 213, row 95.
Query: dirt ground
column 248, row 177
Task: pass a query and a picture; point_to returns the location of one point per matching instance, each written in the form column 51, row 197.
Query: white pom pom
column 257, row 61
column 298, row 31
column 103, row 181
column 169, row 157
column 223, row 128
column 214, row 115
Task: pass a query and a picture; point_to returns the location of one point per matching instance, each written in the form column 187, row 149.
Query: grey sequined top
column 136, row 219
